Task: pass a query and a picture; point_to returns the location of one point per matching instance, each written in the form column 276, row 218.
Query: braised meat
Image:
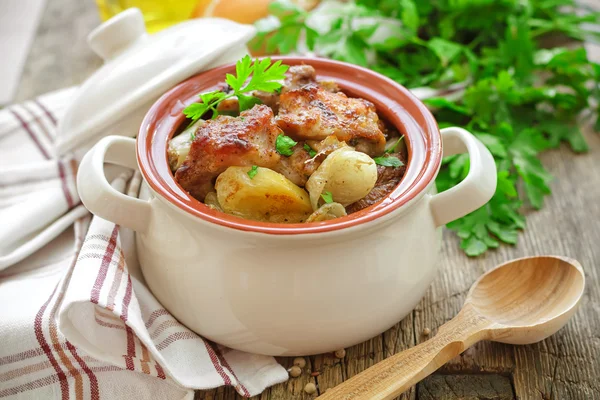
column 268, row 99
column 299, row 76
column 312, row 113
column 298, row 167
column 227, row 141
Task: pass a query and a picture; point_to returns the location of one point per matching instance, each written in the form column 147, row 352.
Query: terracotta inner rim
column 393, row 102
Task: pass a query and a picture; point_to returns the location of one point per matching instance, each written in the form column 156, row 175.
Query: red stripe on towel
column 39, row 334
column 106, row 259
column 32, row 135
column 65, row 187
column 46, row 111
column 216, row 364
column 130, row 338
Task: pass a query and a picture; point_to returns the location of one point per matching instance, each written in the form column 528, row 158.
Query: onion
column 347, row 174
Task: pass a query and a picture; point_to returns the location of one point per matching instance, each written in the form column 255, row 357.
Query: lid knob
column 115, row 35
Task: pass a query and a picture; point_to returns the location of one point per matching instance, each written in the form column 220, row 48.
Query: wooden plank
column 332, row 371
column 466, row 387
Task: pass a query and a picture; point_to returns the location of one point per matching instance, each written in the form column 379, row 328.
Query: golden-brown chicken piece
column 313, row 113
column 227, row 141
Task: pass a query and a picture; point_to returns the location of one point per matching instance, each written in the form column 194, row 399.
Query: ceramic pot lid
column 139, row 68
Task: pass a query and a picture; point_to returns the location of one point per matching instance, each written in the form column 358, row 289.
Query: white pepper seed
column 340, row 353
column 426, row 332
column 295, row 371
column 310, row 388
column 300, row 362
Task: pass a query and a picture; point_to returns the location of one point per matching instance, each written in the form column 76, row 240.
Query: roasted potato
column 267, row 196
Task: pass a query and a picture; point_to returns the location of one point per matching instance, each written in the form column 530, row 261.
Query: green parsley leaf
column 409, row 14
column 253, row 171
column 493, row 143
column 311, row 152
column 266, row 76
column 195, row 110
column 395, row 145
column 473, row 246
column 243, row 70
column 247, row 102
column 388, row 161
column 284, row 145
column 444, row 49
column 209, row 102
column 327, row 197
column 441, row 102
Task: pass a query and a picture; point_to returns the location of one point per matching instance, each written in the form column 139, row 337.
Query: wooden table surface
column 565, row 366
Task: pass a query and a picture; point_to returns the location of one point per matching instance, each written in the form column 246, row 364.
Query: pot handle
column 99, row 196
column 476, row 189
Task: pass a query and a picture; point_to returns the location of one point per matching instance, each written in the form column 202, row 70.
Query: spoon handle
column 396, row 374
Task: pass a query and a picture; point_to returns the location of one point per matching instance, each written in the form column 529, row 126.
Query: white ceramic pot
column 290, row 289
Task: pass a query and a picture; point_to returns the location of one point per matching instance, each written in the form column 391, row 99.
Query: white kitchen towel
column 38, row 198
column 76, row 319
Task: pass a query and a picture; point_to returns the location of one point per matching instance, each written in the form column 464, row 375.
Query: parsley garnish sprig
column 327, row 197
column 250, row 76
column 284, row 145
column 310, row 150
column 387, row 160
column 253, row 171
column 522, row 96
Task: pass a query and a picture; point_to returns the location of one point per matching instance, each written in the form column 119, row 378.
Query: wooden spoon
column 520, row 302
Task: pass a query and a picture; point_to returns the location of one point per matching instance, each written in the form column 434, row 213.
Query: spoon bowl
column 528, row 299
column 520, row 302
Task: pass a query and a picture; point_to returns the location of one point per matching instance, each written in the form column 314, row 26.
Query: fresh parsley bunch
column 517, row 91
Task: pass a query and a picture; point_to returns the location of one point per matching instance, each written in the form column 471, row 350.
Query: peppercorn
column 300, row 362
column 426, row 332
column 340, row 353
column 310, row 388
column 295, row 371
